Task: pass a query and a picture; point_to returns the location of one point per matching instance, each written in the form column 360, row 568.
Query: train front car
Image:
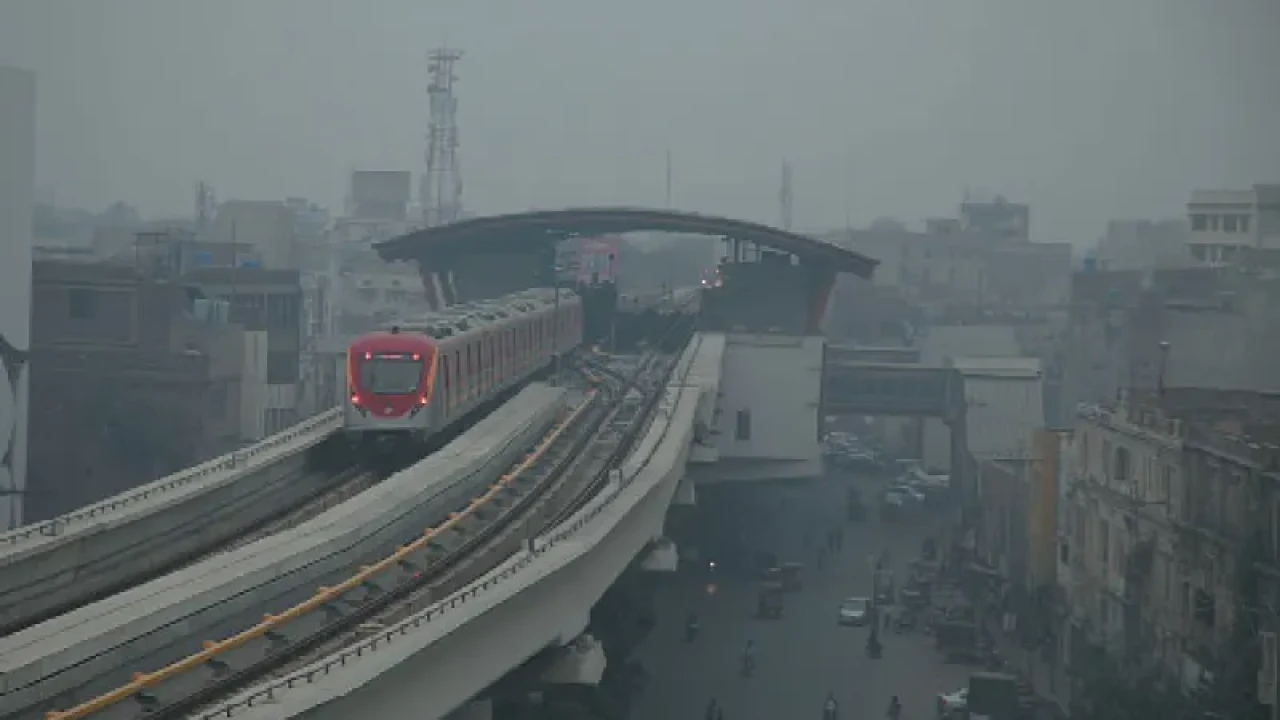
column 390, row 378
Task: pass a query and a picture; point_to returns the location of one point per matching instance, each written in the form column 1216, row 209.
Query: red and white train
column 416, row 378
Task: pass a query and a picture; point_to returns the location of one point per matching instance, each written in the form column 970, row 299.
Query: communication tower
column 441, row 185
column 784, row 196
column 206, row 205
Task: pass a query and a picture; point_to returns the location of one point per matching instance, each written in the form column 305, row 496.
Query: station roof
column 558, row 224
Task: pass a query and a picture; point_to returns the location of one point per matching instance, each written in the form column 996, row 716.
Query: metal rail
column 662, row 402
column 325, row 597
column 238, row 461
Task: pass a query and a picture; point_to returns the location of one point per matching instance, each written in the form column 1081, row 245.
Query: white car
column 906, row 492
column 855, row 611
column 953, row 704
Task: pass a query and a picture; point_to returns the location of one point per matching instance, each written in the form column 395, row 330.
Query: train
column 412, row 379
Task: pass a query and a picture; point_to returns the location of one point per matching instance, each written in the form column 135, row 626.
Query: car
column 855, row 611
column 907, row 492
column 954, row 704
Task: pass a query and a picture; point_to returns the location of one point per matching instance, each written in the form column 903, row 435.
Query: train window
column 391, row 374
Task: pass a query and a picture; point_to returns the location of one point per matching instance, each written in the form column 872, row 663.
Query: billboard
column 381, row 194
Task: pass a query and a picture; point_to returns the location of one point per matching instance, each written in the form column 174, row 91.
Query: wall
column 1042, row 530
column 266, row 225
column 768, row 422
column 17, row 190
column 939, row 346
column 1005, row 406
column 253, row 386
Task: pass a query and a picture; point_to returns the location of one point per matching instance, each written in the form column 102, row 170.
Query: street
column 806, row 654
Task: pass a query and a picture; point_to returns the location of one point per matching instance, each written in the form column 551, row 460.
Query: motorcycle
column 830, row 712
column 748, row 665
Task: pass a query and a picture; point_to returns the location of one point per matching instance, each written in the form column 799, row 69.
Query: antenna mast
column 206, row 205
column 441, row 185
column 784, row 196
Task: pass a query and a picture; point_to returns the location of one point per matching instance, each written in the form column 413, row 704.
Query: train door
column 459, row 380
column 446, row 387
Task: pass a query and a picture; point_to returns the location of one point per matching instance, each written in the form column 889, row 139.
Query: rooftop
column 555, row 225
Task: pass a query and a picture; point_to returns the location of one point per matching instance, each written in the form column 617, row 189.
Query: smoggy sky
column 1088, row 109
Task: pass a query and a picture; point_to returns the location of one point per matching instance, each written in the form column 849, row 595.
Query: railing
column 324, row 595
column 1242, row 449
column 267, row 692
column 318, row 425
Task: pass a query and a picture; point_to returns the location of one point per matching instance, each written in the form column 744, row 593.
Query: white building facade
column 17, row 191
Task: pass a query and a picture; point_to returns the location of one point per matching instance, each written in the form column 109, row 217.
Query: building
column 1135, row 329
column 1171, row 567
column 265, row 301
column 1016, row 532
column 999, row 217
column 380, row 195
column 137, row 374
column 267, row 226
column 17, row 195
column 1144, row 244
column 1228, row 223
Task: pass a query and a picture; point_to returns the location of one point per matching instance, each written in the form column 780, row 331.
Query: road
column 804, row 655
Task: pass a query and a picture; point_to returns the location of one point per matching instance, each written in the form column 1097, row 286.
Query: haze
column 1088, row 110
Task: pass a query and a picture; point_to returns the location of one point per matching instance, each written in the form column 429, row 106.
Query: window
column 1267, row 671
column 1244, row 223
column 1123, row 470
column 1104, row 543
column 82, row 303
column 742, row 431
column 1199, row 222
column 1215, row 223
column 1230, row 223
column 391, row 374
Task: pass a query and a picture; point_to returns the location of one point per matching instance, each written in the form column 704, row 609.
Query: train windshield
column 391, row 374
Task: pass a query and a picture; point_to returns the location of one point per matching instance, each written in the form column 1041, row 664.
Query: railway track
column 329, row 488
column 178, row 689
column 568, row 481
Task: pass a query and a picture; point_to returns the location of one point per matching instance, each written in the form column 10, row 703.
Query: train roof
column 464, row 317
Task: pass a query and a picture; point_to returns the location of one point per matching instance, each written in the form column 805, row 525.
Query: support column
column 663, row 557
column 17, row 196
column 582, row 662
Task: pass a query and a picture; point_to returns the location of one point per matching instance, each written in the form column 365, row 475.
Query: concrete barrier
column 92, row 649
column 81, row 555
column 436, row 660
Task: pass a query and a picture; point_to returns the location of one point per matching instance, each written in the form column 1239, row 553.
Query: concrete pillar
column 474, row 710
column 662, row 557
column 17, row 194
column 685, row 494
column 582, row 662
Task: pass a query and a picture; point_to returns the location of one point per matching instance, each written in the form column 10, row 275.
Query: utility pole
column 784, row 196
column 668, row 195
